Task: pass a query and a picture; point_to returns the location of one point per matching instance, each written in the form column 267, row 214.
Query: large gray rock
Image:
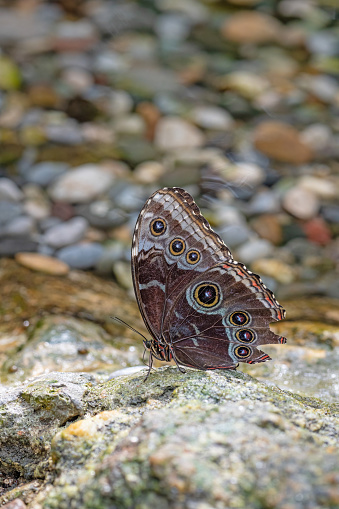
column 193, row 440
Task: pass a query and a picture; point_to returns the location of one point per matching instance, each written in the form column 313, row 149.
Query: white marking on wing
column 154, row 282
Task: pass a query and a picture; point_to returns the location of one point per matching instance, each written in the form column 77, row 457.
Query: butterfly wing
column 172, row 244
column 221, row 318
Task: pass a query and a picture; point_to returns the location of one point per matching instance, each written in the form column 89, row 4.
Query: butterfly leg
column 181, row 369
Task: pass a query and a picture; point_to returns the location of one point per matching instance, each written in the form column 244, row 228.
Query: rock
column 212, row 117
column 65, row 133
column 46, row 264
column 120, row 103
column 300, row 203
column 317, row 231
column 77, row 79
column 248, row 84
column 102, row 214
column 317, row 136
column 36, row 202
column 66, row 344
column 9, row 246
column 10, row 77
column 81, row 184
column 45, row 172
column 174, row 133
column 254, row 249
column 15, row 504
column 251, row 27
column 323, row 188
column 8, row 211
column 74, row 36
column 122, row 272
column 268, row 227
column 81, row 256
column 330, row 213
column 281, row 142
column 20, row 227
column 234, row 235
column 150, row 115
column 9, row 191
column 132, row 124
column 50, row 401
column 265, row 201
column 193, row 441
column 68, row 232
column 276, row 269
column 148, row 172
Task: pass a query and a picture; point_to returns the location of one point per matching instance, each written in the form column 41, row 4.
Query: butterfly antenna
column 129, row 326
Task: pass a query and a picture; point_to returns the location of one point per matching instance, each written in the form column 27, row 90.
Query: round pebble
column 45, row 172
column 41, row 263
column 212, row 117
column 281, row 142
column 301, row 203
column 81, row 184
column 254, row 249
column 81, row 256
column 9, row 190
column 66, row 233
column 175, row 133
column 9, row 211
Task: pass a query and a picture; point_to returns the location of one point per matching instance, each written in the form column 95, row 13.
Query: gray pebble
column 330, row 213
column 102, row 214
column 254, row 249
column 9, row 211
column 66, row 233
column 81, row 256
column 45, row 172
column 234, row 235
column 9, row 246
column 20, row 226
column 111, row 253
column 265, row 202
column 9, row 190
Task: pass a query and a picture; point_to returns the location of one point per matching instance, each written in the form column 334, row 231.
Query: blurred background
column 103, row 102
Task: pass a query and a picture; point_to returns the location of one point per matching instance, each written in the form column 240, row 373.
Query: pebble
column 8, row 211
column 102, row 214
column 81, row 256
column 301, row 203
column 66, row 233
column 41, row 263
column 251, row 27
column 323, row 188
column 268, row 227
column 74, row 36
column 113, row 252
column 211, row 117
column 10, row 78
column 234, row 235
column 81, row 184
column 254, row 249
column 122, row 273
column 9, row 246
column 317, row 136
column 9, row 191
column 281, row 142
column 276, row 269
column 174, row 133
column 149, row 172
column 318, row 231
column 20, row 226
column 330, row 212
column 45, row 172
column 66, row 132
column 120, row 103
column 36, row 202
column 77, row 79
column 266, row 201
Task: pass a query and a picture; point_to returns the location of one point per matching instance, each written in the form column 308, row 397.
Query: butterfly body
column 202, row 308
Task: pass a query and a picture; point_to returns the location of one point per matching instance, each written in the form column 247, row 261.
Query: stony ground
column 101, row 103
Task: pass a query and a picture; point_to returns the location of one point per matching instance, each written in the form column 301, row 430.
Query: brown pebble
column 42, row 263
column 268, row 227
column 281, row 142
column 250, row 27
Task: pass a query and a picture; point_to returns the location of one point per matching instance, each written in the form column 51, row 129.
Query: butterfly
column 202, row 308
